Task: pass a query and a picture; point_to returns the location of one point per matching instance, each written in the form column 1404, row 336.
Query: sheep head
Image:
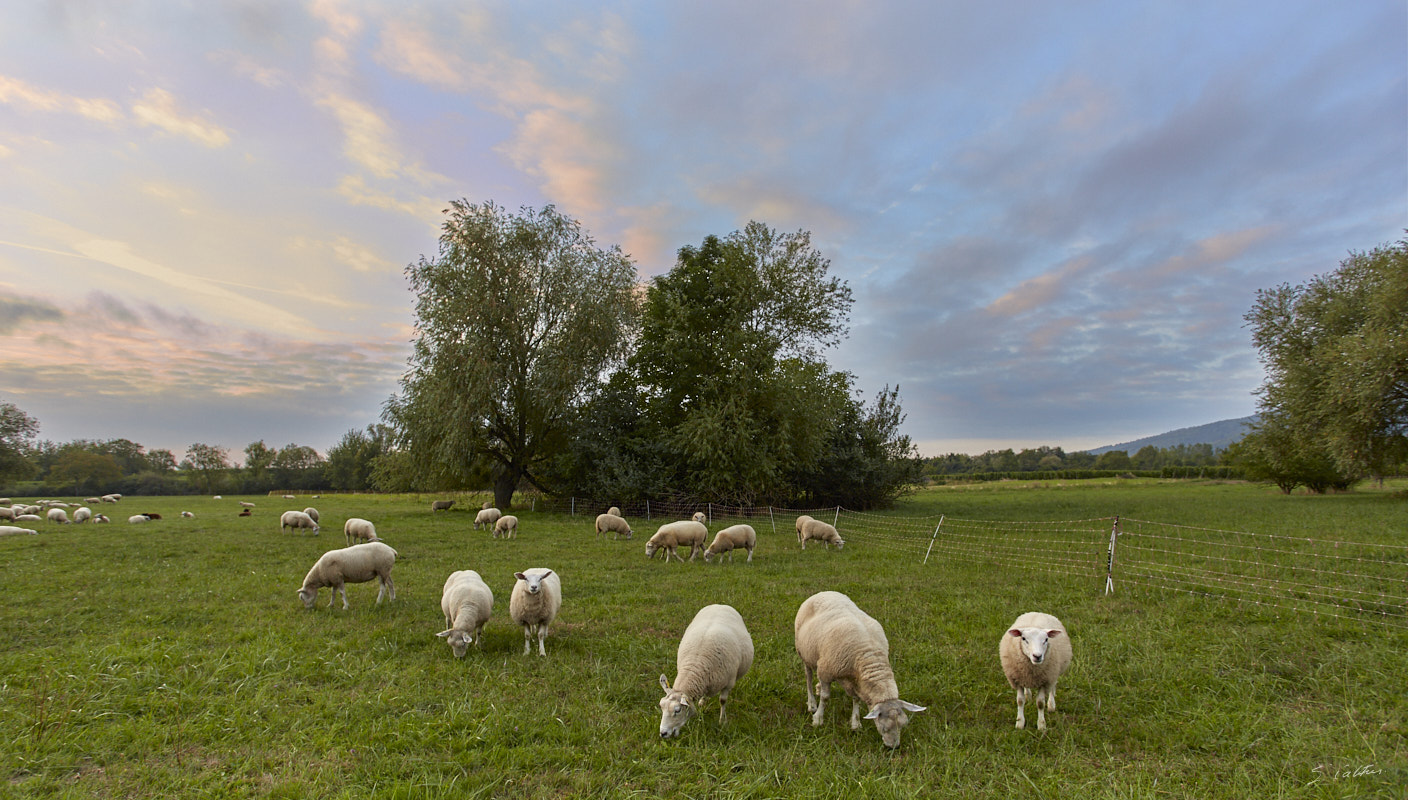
column 890, row 718
column 675, row 710
column 459, row 641
column 1034, row 642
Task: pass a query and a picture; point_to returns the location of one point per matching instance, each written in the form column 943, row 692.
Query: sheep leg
column 542, row 634
column 723, row 704
column 807, row 677
column 1021, row 702
column 823, row 693
column 527, row 639
column 673, row 552
column 1051, row 697
column 1041, row 698
column 750, row 555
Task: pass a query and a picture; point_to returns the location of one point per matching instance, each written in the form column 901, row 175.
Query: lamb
column 1034, row 652
column 296, row 520
column 244, row 504
column 614, row 511
column 815, row 529
column 187, row 515
column 356, row 564
column 487, row 517
column 58, row 515
column 507, row 526
column 467, row 602
column 358, row 528
column 684, row 533
column 839, row 642
column 617, row 525
column 536, row 599
column 441, row 505
column 714, row 653
column 136, row 518
column 312, row 512
column 12, row 530
column 731, row 538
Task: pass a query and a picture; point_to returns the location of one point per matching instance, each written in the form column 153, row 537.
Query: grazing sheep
column 11, row 530
column 7, row 513
column 296, row 520
column 312, row 512
column 487, row 517
column 536, row 599
column 684, row 533
column 614, row 511
column 731, row 538
column 839, row 642
column 33, row 510
column 83, row 514
column 58, row 515
column 700, row 518
column 356, row 564
column 136, row 518
column 467, row 602
column 815, row 529
column 89, row 500
column 187, row 515
column 358, row 528
column 617, row 525
column 218, row 497
column 441, row 505
column 1034, row 652
column 714, row 653
column 507, row 525
column 244, row 504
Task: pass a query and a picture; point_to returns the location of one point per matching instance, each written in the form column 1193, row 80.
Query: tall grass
column 174, row 659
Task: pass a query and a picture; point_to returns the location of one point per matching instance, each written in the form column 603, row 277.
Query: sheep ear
column 1014, row 633
column 908, row 706
column 547, row 573
column 874, row 712
column 443, row 634
column 1052, row 634
column 664, row 682
column 520, row 576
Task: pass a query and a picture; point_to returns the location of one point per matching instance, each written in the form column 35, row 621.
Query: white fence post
column 932, row 538
column 772, row 521
column 1110, row 558
column 837, row 519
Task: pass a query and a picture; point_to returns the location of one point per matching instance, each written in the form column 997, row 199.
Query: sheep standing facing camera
column 536, row 599
column 1034, row 652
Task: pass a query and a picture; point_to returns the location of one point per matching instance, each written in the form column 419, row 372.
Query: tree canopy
column 517, row 317
column 1335, row 350
column 17, row 433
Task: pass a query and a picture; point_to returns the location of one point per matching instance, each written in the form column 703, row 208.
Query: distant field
column 174, row 659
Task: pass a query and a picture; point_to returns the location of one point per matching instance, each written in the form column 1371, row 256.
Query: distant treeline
column 1010, row 463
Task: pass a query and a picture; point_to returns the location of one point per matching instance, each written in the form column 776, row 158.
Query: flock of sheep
column 836, row 641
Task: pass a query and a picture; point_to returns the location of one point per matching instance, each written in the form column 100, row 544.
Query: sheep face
column 675, row 710
column 534, row 581
column 459, row 641
column 650, row 548
column 308, row 596
column 890, row 718
column 1034, row 642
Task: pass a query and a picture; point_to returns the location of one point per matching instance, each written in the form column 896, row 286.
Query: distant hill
column 1218, row 434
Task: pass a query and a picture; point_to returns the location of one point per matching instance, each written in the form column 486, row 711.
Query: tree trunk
column 504, row 484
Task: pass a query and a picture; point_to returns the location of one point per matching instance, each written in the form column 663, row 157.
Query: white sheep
column 12, row 530
column 83, row 514
column 487, row 517
column 614, row 511
column 8, row 513
column 312, row 512
column 58, row 515
column 358, row 528
column 839, row 642
column 700, row 518
column 441, row 505
column 290, row 497
column 536, row 599
column 714, row 653
column 809, row 529
column 88, row 500
column 97, row 518
column 136, row 518
column 187, row 515
column 1034, row 652
column 296, row 520
column 356, row 564
column 33, row 510
column 671, row 535
column 467, row 603
column 110, row 498
column 730, row 539
column 245, row 504
column 218, row 497
column 616, row 524
column 506, row 526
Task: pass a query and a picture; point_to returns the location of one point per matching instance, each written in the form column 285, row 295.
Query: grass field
column 174, row 659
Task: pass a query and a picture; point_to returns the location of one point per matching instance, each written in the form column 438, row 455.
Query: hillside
column 1218, row 434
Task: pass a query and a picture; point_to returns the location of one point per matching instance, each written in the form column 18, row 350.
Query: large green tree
column 517, row 318
column 18, row 431
column 1335, row 350
column 350, row 461
column 207, row 464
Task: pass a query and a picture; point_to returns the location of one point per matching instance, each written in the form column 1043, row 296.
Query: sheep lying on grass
column 136, row 518
column 839, row 642
column 467, row 602
column 672, row 535
column 187, row 515
column 506, row 526
column 297, row 520
column 441, row 505
column 714, row 653
column 487, row 517
column 12, row 530
column 809, row 529
column 1034, row 652
column 99, row 518
column 244, row 504
column 611, row 522
column 356, row 564
column 358, row 528
column 731, row 538
column 536, row 599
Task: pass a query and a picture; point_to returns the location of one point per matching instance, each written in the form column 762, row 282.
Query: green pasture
column 173, row 659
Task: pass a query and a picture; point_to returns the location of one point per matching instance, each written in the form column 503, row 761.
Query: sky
column 1053, row 216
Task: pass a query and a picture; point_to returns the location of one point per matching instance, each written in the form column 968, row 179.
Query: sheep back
column 358, row 528
column 356, row 564
column 715, row 651
column 467, row 603
column 682, row 533
column 613, row 523
column 506, row 526
column 815, row 529
column 733, row 537
column 297, row 519
column 487, row 517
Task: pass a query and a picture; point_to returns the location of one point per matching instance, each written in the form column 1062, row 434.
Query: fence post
column 647, row 510
column 711, row 513
column 573, row 510
column 932, row 538
column 837, row 520
column 1110, row 558
column 772, row 521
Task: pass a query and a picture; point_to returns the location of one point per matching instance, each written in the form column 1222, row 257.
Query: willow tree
column 517, row 318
